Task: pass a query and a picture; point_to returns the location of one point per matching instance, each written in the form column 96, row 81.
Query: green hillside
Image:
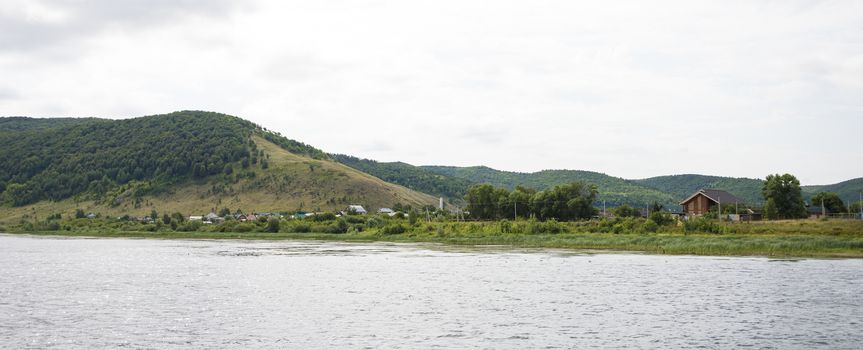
column 613, row 190
column 413, row 177
column 681, row 186
column 190, row 161
column 847, row 190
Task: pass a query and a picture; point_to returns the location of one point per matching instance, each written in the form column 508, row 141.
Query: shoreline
column 727, row 245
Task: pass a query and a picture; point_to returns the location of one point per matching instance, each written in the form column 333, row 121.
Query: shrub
column 393, row 229
column 323, row 217
column 661, row 218
column 190, row 226
column 273, row 225
column 301, row 228
column 374, row 222
column 649, row 226
column 351, row 219
column 702, row 225
column 505, row 226
column 244, row 227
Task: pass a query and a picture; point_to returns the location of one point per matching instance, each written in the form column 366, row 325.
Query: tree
column 784, row 191
column 482, row 201
column 854, row 207
column 624, row 211
column 166, row 219
column 154, row 215
column 79, row 214
column 224, row 212
column 831, row 202
column 273, row 225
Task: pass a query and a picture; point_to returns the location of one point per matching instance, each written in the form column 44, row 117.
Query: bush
column 323, row 217
column 190, row 226
column 649, row 226
column 273, row 225
column 244, row 227
column 393, row 229
column 702, row 225
column 351, row 219
column 661, row 218
column 301, row 228
column 374, row 222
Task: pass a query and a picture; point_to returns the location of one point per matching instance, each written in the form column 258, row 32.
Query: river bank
column 788, row 239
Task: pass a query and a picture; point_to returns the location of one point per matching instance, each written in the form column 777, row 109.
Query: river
column 77, row 293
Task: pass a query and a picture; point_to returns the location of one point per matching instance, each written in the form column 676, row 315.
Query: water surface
column 74, row 293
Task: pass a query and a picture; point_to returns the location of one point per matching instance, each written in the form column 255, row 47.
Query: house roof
column 718, row 196
column 357, row 208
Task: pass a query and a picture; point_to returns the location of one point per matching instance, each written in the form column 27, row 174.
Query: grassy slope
column 291, row 182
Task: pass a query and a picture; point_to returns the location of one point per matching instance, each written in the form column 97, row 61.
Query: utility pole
column 515, row 210
column 719, row 202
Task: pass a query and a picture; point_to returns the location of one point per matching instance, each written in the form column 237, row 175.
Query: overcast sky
column 629, row 88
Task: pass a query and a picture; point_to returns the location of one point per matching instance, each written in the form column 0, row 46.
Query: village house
column 699, row 203
column 357, row 209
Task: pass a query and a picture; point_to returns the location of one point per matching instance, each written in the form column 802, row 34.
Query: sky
column 632, row 89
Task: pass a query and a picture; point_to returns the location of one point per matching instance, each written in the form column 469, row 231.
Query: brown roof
column 718, row 196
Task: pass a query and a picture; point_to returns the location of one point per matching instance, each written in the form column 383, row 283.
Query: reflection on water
column 90, row 293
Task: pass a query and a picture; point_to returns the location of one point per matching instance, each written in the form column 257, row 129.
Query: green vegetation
column 815, row 238
column 681, row 186
column 186, row 161
column 831, row 202
column 413, row 177
column 572, row 201
column 613, row 190
column 783, row 197
column 96, row 156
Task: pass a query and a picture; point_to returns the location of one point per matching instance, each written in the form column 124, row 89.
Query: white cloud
column 632, row 89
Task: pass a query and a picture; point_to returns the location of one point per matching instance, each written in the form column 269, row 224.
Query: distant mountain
column 681, row 186
column 613, row 190
column 186, row 161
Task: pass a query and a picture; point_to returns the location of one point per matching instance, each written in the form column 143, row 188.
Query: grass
column 801, row 238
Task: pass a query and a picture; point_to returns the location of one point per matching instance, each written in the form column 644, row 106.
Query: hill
column 613, row 190
column 410, row 176
column 681, row 186
column 189, row 161
column 847, row 190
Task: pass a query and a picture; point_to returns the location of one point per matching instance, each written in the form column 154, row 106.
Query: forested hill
column 848, row 191
column 681, row 186
column 410, row 176
column 613, row 190
column 208, row 156
column 40, row 162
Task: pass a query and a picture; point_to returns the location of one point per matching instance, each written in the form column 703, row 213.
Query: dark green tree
column 273, row 225
column 624, row 211
column 786, row 196
column 831, row 202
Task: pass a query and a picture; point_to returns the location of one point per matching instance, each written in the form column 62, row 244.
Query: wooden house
column 699, row 203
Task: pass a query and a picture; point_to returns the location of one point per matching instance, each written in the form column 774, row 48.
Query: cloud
column 27, row 25
column 630, row 89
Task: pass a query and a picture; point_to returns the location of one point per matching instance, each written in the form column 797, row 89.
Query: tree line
column 571, row 201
